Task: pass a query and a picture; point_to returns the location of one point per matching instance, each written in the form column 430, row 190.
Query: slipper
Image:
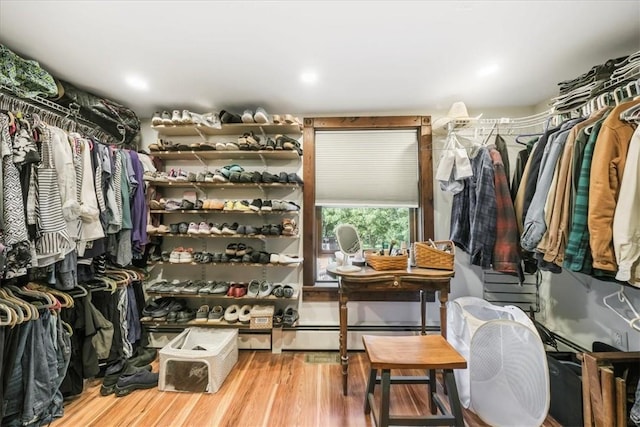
column 244, row 315
column 216, row 314
column 278, row 291
column 232, row 313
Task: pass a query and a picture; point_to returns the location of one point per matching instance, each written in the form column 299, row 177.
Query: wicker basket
column 386, row 262
column 429, row 257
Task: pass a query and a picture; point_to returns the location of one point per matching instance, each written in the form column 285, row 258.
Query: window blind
column 377, row 168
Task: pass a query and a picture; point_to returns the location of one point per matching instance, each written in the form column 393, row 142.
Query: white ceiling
column 369, row 56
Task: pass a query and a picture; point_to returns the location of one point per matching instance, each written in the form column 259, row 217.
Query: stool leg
column 384, row 401
column 432, row 391
column 371, row 385
column 454, row 400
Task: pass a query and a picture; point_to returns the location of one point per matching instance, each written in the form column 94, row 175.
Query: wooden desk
column 369, row 280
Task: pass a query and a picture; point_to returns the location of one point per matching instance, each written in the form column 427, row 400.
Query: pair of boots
column 125, row 376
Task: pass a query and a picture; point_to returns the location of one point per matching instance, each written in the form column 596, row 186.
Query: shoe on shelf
column 274, row 259
column 253, row 289
column 221, row 288
column 228, row 117
column 241, row 206
column 176, row 117
column 232, row 313
column 176, row 256
column 244, row 315
column 202, row 315
column 256, row 205
column 266, row 206
column 220, row 146
column 289, row 259
column 229, row 229
column 261, row 116
column 215, row 229
column 186, row 118
column 247, row 117
column 278, row 317
column 288, row 291
column 187, row 256
column 157, row 119
column 203, row 228
column 266, row 288
column 277, row 119
column 216, row 314
column 166, row 118
column 193, row 228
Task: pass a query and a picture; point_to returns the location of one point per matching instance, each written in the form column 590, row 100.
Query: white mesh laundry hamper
column 507, row 379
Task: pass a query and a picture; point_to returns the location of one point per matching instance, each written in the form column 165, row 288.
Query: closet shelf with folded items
column 245, row 193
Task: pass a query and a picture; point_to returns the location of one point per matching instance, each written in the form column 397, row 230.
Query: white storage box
column 198, row 360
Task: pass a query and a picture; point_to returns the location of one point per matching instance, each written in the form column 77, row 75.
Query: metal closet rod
column 47, row 106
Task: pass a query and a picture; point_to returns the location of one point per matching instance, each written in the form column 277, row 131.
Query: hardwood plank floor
column 263, row 389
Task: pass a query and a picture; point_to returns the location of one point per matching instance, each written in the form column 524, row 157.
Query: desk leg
column 444, row 296
column 423, row 312
column 344, row 358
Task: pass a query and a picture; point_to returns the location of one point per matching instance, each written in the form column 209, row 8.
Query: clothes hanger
column 624, row 309
column 18, row 311
column 9, row 317
column 27, row 309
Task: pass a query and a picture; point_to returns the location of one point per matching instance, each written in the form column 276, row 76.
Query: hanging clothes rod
column 37, row 104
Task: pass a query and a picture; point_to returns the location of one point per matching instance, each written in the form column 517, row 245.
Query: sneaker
column 215, row 229
column 228, row 205
column 269, row 177
column 255, row 205
column 261, row 116
column 266, row 206
column 241, row 206
column 157, row 119
column 186, row 117
column 229, row 229
column 176, row 256
column 274, row 259
column 253, row 289
column 193, row 228
column 247, row 117
column 176, row 117
column 206, row 289
column 137, row 381
column 166, row 118
column 289, row 259
column 117, row 370
column 204, row 228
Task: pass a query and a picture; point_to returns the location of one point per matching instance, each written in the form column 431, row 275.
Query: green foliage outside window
column 375, row 225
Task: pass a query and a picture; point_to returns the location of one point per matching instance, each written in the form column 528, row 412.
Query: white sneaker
column 176, row 117
column 186, row 117
column 247, row 117
column 193, row 228
column 186, row 257
column 166, row 118
column 261, row 116
column 286, row 259
column 274, row 258
column 157, row 119
column 175, row 257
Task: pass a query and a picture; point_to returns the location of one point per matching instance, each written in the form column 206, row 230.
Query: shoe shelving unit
column 207, row 159
column 236, row 129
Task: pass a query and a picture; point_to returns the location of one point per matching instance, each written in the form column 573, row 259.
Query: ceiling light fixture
column 137, row 82
column 488, row 70
column 309, row 77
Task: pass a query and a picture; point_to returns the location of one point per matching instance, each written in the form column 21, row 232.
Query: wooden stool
column 428, row 352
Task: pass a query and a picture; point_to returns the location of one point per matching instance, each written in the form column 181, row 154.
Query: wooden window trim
column 422, row 124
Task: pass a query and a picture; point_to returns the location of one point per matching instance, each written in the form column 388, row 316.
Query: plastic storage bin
column 198, row 360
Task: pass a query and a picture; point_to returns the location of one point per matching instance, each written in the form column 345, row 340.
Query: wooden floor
column 263, row 389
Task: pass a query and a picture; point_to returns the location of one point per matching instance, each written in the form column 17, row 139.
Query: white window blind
column 376, row 168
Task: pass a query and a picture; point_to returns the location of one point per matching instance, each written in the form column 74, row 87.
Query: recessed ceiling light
column 309, row 77
column 488, row 70
column 137, row 82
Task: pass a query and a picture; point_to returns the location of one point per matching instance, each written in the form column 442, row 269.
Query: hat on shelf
column 458, row 111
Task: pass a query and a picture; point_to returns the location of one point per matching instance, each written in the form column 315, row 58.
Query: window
column 372, row 172
column 376, row 226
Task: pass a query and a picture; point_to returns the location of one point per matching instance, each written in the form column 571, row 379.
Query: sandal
column 290, row 316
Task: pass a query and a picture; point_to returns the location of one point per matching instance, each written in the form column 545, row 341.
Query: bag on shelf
column 115, row 119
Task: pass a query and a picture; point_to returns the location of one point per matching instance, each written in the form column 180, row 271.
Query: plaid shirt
column 473, row 213
column 506, row 254
column 577, row 255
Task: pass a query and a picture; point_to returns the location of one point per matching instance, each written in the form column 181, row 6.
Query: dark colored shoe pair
column 115, row 371
column 137, row 381
column 227, row 117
